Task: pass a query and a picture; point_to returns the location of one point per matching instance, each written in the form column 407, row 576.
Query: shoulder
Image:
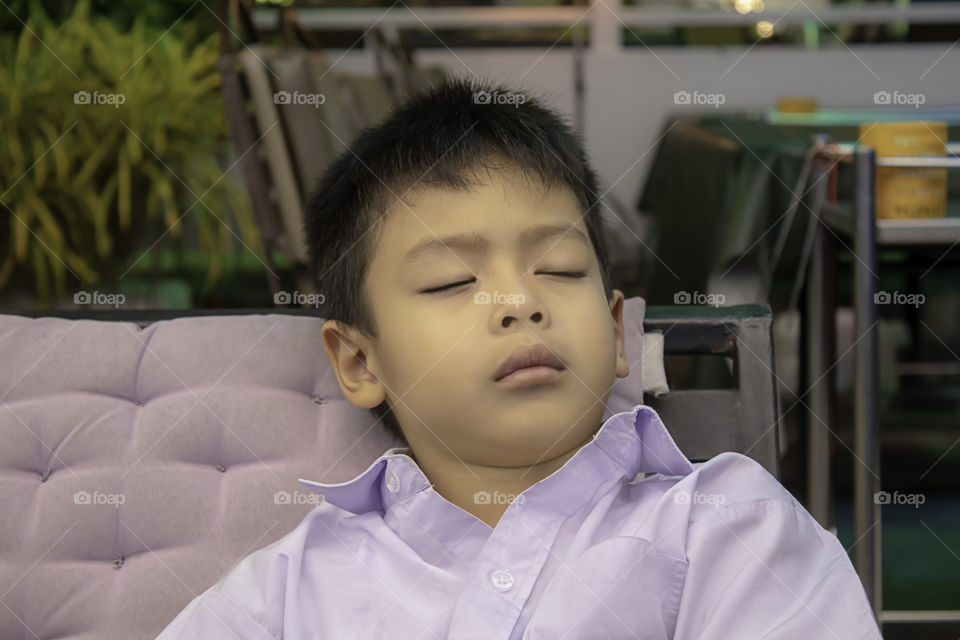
column 727, row 487
column 735, row 479
column 727, row 480
column 750, row 544
column 326, row 527
column 262, row 582
column 731, row 496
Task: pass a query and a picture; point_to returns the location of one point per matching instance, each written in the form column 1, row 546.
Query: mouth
column 529, row 376
column 530, row 361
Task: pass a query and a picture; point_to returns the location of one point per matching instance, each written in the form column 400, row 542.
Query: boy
column 460, row 249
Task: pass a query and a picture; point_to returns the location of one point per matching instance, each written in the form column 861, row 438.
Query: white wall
column 630, row 93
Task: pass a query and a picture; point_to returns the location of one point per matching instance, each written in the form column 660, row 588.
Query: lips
column 531, row 355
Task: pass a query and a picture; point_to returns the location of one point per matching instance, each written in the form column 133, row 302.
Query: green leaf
column 86, row 273
column 40, row 165
column 134, row 147
column 123, row 190
column 95, row 159
column 7, row 270
column 21, row 231
column 58, row 150
column 47, row 221
column 42, row 277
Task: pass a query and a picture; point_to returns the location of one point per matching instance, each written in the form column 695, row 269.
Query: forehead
column 505, row 209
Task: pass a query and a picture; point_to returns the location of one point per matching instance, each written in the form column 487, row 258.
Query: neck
column 486, row 491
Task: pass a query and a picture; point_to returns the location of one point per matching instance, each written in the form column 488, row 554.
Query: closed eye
column 448, row 286
column 566, row 274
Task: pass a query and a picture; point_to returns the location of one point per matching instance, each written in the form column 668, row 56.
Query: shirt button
column 392, row 483
column 502, row 579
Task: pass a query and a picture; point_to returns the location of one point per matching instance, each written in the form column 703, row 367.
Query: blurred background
column 158, row 155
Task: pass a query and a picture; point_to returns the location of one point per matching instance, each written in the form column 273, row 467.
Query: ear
column 347, row 351
column 616, row 310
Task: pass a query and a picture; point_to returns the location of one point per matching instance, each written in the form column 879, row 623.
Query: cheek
column 427, row 356
column 593, row 325
column 596, row 346
column 394, row 358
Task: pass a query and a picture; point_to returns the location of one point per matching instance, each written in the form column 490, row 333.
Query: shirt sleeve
column 214, row 616
column 767, row 569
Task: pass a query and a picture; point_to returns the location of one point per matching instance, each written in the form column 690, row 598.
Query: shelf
column 648, row 16
column 920, row 231
column 945, row 368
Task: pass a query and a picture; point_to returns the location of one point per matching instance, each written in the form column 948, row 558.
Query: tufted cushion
column 138, row 466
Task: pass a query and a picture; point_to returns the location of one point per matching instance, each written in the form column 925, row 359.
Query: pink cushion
column 137, row 467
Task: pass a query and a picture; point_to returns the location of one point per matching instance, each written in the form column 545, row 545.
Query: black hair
column 441, row 137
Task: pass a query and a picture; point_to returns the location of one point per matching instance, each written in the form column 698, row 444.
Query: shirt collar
column 635, row 440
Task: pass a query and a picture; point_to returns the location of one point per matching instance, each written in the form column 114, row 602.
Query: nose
column 524, row 306
column 520, row 304
column 536, row 316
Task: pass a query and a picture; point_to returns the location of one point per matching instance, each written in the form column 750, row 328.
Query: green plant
column 122, row 13
column 109, row 137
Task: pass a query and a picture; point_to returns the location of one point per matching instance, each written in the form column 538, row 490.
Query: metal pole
column 578, row 77
column 866, row 442
column 819, row 310
column 817, row 384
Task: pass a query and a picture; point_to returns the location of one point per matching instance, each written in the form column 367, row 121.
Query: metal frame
column 705, row 422
column 614, row 11
column 866, row 510
column 867, row 232
column 606, row 20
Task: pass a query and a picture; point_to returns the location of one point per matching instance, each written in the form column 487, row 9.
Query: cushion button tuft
column 221, row 468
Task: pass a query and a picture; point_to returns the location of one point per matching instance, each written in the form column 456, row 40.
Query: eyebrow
column 473, row 241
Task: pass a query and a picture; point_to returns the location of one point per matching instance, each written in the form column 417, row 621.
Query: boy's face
column 437, row 353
